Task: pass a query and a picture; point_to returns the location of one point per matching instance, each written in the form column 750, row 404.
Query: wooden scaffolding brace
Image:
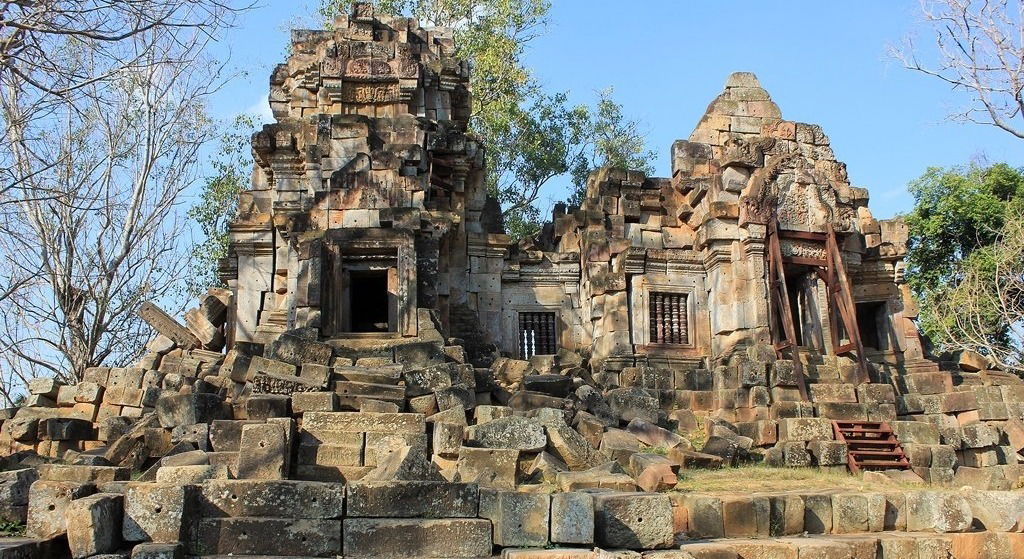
column 833, row 273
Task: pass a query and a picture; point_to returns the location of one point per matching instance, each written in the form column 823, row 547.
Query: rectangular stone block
column 157, row 512
column 633, row 521
column 805, row 429
column 400, row 538
column 413, row 499
column 267, row 536
column 746, row 517
column 572, row 518
column 316, row 423
column 94, row 524
column 519, row 519
column 275, row 498
column 262, row 452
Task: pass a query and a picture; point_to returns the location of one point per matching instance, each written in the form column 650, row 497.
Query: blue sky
column 822, row 62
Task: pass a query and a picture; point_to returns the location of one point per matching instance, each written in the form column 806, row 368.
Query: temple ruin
column 387, row 374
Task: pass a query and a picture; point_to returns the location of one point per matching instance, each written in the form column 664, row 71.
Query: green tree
column 613, row 141
column 218, row 202
column 959, row 216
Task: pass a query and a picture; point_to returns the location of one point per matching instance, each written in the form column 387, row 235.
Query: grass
column 757, row 477
column 11, row 529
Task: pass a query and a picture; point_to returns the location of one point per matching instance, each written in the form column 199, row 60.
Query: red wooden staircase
column 871, row 445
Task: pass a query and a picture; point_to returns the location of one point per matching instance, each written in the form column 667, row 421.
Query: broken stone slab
column 94, row 524
column 653, row 472
column 412, row 499
column 398, row 538
column 267, row 536
column 691, row 459
column 519, row 519
column 14, row 491
column 271, row 498
column 405, row 463
column 545, row 467
column 652, row 435
column 571, row 448
column 595, row 478
column 166, row 325
column 633, row 521
column 47, row 503
column 515, row 432
column 157, row 512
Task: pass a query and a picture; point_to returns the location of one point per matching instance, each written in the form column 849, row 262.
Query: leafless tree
column 104, row 111
column 979, row 49
column 985, row 311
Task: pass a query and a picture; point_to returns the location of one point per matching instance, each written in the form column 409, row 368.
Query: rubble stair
column 871, row 445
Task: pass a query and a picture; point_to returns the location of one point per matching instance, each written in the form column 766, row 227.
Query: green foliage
column 614, row 141
column 218, row 202
column 530, row 137
column 959, row 214
column 11, row 529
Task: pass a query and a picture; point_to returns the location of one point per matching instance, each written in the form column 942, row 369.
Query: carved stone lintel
column 166, row 325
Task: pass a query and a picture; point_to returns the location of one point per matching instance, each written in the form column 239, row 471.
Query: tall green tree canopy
column 959, row 216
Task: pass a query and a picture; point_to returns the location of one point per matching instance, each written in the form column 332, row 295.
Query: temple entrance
column 368, row 299
column 802, row 286
column 873, row 320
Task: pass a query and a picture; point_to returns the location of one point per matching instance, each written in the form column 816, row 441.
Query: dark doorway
column 871, row 316
column 368, row 299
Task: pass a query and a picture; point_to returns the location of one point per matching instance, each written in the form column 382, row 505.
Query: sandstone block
column 786, row 515
column 515, row 432
column 633, row 520
column 193, row 474
column 94, row 524
column 937, row 511
column 263, row 452
column 489, row 467
column 519, row 519
column 805, row 429
column 267, row 536
column 817, row 513
column 157, row 512
column 270, row 498
column 189, row 409
column 47, row 503
column 316, row 423
column 82, row 474
column 746, row 517
column 572, row 518
column 158, row 551
column 296, row 351
column 399, row 538
column 412, row 499
column 571, row 448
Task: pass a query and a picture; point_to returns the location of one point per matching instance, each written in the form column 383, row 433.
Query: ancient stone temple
column 386, row 374
column 368, row 203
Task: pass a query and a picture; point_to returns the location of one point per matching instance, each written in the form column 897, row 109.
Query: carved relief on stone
column 802, row 249
column 745, row 153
